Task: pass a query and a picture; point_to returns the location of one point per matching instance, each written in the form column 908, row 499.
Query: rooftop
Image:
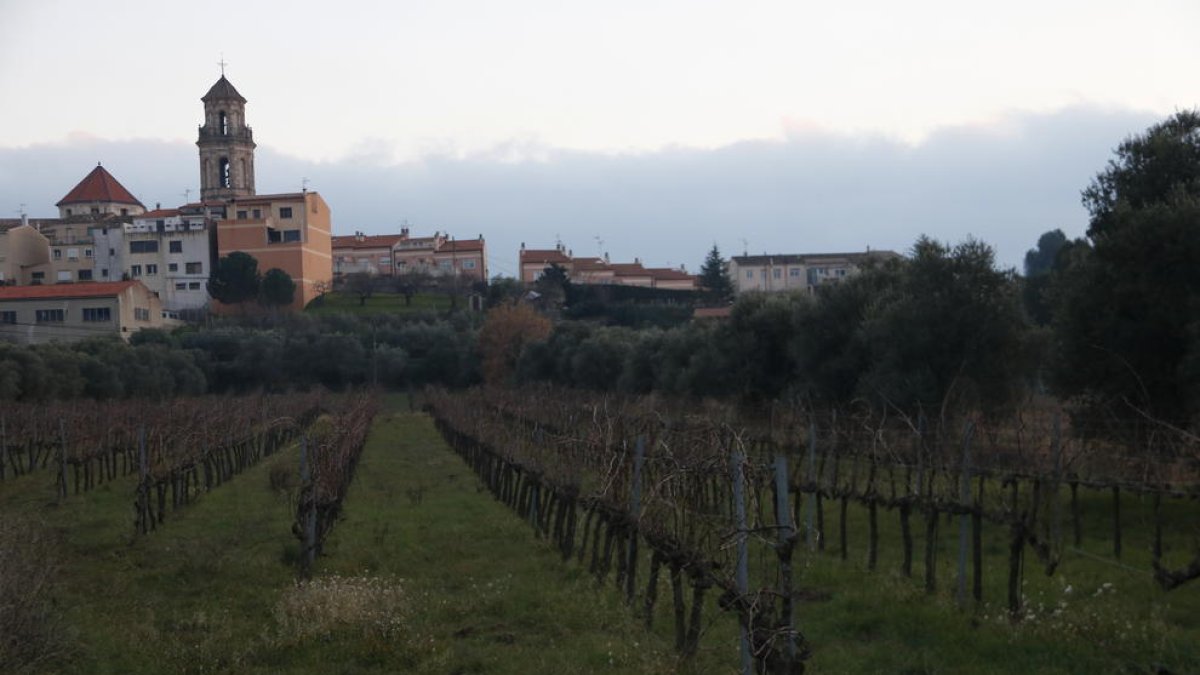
column 223, row 90
column 99, row 289
column 366, row 241
column 99, row 186
column 808, row 258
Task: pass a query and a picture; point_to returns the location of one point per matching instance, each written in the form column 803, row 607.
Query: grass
column 426, row 573
column 339, row 302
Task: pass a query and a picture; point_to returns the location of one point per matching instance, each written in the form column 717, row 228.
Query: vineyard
column 639, row 491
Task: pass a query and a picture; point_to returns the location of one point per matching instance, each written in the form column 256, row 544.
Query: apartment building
column 798, row 271
column 168, row 250
column 590, row 270
column 70, row 312
column 391, row 254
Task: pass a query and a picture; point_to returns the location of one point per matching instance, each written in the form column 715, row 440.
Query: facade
column 798, row 272
column 286, row 231
column 70, row 312
column 168, row 250
column 391, row 255
column 586, row 270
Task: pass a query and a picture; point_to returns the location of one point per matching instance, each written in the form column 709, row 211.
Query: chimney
column 522, row 246
column 480, row 236
column 570, row 253
column 637, row 261
column 606, row 257
column 358, row 236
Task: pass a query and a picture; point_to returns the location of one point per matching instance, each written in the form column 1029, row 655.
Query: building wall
column 308, row 259
column 21, row 248
column 124, row 319
column 99, row 209
column 179, row 278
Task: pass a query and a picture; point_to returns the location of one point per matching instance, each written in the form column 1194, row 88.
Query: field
column 427, row 573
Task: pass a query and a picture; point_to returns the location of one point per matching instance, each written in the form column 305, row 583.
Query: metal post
column 742, row 577
column 964, row 523
column 635, row 513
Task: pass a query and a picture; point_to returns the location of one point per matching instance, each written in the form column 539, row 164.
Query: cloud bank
column 1004, row 182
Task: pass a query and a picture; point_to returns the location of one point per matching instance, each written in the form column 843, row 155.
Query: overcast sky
column 651, row 128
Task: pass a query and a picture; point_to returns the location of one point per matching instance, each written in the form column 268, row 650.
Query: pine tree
column 714, row 276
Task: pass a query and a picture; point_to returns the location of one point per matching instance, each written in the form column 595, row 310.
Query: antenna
column 745, row 247
column 304, row 185
column 187, row 196
column 599, row 245
column 21, row 209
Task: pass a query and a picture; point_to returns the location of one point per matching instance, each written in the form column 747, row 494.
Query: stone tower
column 226, row 145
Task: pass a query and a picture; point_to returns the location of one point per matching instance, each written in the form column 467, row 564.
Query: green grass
column 391, row 303
column 457, row 584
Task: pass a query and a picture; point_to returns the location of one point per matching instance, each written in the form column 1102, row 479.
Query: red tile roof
column 223, row 90
column 98, row 289
column 668, row 273
column 463, row 246
column 368, row 241
column 543, row 256
column 158, row 213
column 99, row 186
column 630, row 270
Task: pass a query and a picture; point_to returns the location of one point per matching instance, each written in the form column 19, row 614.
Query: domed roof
column 99, row 186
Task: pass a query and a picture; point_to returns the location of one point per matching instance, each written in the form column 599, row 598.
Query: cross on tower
column 222, row 63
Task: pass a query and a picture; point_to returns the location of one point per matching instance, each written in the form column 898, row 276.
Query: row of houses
column 398, row 254
column 591, row 270
column 798, row 271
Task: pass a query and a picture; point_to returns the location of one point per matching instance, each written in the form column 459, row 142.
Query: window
column 64, row 275
column 135, row 270
column 385, row 261
column 175, row 246
column 224, row 179
column 468, row 264
column 194, row 268
column 291, row 235
column 841, row 271
column 193, row 285
column 160, row 224
column 285, row 212
column 58, row 254
column 112, row 251
column 104, row 272
column 151, row 270
column 794, row 272
column 777, row 273
column 38, row 276
column 444, row 264
column 50, row 315
column 97, row 314
column 87, row 252
column 124, row 212
column 241, row 215
column 749, row 274
column 68, row 212
column 144, row 246
column 73, row 254
column 141, row 314
column 223, row 123
column 181, row 286
column 95, row 210
column 273, row 236
column 85, row 275
column 8, row 317
column 172, row 267
column 257, row 214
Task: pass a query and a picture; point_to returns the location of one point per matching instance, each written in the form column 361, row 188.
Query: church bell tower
column 226, row 145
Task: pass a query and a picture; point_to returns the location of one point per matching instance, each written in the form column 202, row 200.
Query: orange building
column 287, row 231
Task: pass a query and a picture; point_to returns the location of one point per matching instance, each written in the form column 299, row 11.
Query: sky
column 649, row 129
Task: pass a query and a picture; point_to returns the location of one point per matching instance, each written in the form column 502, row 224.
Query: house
column 21, row 247
column 70, row 312
column 363, row 254
column 799, row 271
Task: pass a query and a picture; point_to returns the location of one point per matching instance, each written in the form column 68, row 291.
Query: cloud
column 1004, row 182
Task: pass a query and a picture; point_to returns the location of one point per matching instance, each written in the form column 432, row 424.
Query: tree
column 234, row 279
column 362, row 285
column 277, row 288
column 553, row 287
column 504, row 334
column 1040, row 260
column 1127, row 307
column 714, row 276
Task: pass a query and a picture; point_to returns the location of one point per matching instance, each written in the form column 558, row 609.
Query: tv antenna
column 745, row 247
column 187, row 195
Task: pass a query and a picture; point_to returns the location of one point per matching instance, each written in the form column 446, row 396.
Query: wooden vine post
column 811, row 477
column 964, row 522
column 742, row 574
column 309, row 511
column 635, row 510
column 787, row 543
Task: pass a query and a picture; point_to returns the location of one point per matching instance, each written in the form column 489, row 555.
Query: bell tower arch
column 226, row 145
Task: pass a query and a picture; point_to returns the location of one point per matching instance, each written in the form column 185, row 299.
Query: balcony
column 243, row 134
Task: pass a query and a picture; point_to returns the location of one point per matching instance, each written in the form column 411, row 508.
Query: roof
column 712, row 312
column 157, row 213
column 99, row 289
column 669, row 273
column 368, row 241
column 461, row 246
column 283, row 196
column 805, row 258
column 591, row 265
column 99, row 186
column 223, row 91
column 630, row 270
column 552, row 255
